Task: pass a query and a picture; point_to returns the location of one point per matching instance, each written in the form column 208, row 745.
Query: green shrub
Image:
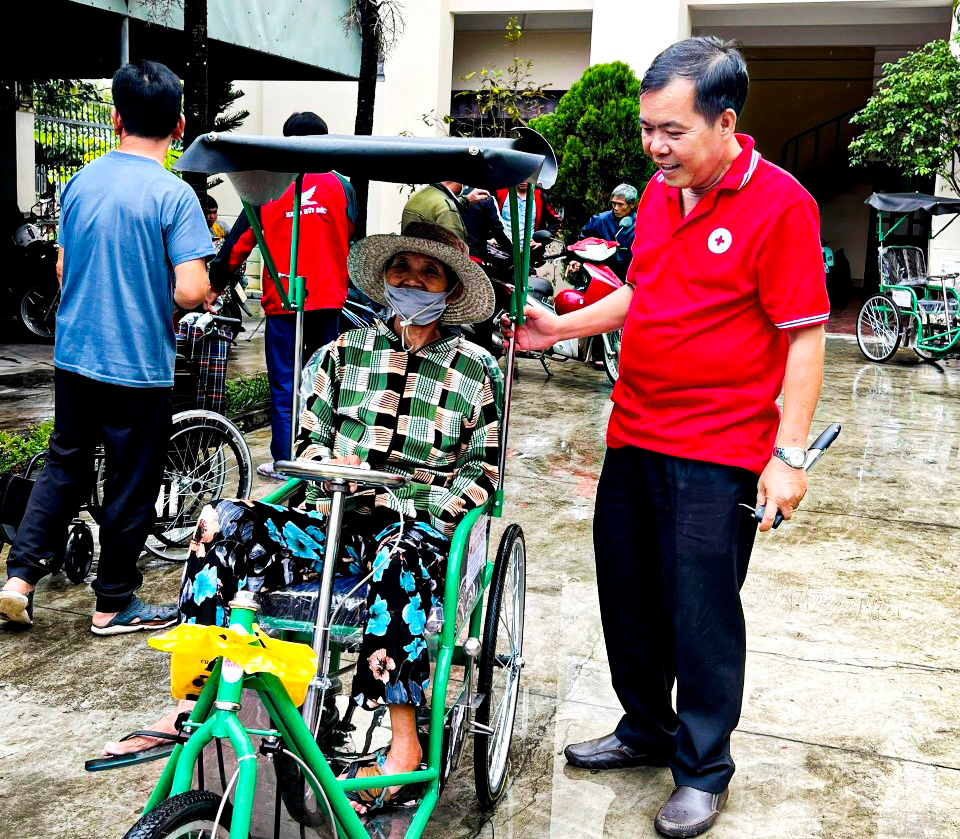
column 17, row 449
column 595, row 132
column 247, row 392
column 912, row 122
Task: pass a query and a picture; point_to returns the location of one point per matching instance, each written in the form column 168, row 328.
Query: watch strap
column 783, row 453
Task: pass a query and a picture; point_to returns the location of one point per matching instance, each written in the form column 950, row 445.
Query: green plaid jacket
column 433, row 416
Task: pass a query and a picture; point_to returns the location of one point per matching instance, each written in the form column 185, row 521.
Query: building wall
column 559, row 58
column 945, row 249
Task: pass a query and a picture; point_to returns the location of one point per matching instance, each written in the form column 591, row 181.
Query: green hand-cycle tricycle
column 911, row 308
column 296, row 747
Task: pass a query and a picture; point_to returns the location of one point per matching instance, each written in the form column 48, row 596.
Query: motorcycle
column 593, row 280
column 31, row 290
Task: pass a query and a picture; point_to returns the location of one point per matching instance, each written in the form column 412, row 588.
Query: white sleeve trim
column 807, row 321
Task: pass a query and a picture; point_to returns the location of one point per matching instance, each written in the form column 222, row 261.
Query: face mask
column 414, row 306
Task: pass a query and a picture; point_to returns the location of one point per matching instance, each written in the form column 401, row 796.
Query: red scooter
column 592, row 281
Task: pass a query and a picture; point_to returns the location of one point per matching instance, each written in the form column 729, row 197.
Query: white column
column 418, row 81
column 944, row 251
column 26, row 161
column 636, row 31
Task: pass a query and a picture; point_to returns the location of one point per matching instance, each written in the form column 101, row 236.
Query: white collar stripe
column 754, row 160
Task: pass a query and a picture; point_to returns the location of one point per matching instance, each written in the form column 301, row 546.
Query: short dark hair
column 210, row 203
column 147, row 95
column 304, row 124
column 716, row 67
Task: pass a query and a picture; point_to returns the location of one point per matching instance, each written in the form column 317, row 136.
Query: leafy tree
column 508, row 96
column 595, row 133
column 912, row 122
column 380, row 24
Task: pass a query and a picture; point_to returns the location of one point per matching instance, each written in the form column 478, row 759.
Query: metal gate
column 68, row 136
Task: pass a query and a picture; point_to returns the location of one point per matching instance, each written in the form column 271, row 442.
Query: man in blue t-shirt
column 133, row 244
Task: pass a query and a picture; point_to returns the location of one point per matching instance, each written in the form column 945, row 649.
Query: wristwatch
column 791, row 455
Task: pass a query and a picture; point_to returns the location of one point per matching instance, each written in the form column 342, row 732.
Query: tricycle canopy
column 262, row 167
column 910, row 202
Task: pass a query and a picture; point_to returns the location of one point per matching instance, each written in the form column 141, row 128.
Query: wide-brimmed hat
column 369, row 256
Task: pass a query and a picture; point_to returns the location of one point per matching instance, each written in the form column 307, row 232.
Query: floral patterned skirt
column 255, row 546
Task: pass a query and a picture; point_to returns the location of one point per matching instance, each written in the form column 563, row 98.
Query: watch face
column 796, row 458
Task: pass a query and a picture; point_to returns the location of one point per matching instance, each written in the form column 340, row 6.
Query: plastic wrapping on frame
column 294, row 606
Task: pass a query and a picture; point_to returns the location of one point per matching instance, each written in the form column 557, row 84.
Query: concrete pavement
column 850, row 725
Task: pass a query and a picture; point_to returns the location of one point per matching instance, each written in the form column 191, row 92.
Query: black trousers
column 133, row 424
column 672, row 549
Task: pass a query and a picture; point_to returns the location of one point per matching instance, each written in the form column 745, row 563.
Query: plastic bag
column 194, row 647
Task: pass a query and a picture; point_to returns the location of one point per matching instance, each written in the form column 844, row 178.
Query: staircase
column 820, row 151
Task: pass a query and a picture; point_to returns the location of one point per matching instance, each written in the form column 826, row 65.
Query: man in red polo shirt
column 723, row 309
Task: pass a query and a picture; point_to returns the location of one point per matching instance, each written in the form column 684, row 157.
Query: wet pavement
column 851, row 718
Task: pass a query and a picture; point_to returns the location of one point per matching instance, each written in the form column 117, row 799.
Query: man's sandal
column 138, row 615
column 377, row 797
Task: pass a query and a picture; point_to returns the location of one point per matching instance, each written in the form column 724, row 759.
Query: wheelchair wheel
column 207, row 459
column 879, row 328
column 78, row 555
column 189, row 815
column 611, row 355
column 501, row 663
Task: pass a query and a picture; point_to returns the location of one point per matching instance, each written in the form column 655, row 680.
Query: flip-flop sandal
column 378, row 797
column 138, row 615
column 16, row 607
column 161, row 750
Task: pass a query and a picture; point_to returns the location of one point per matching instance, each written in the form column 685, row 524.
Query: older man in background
column 616, row 225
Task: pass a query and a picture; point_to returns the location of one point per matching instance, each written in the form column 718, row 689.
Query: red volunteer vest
column 324, row 242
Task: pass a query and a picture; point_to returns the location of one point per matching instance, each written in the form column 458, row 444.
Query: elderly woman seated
column 407, row 396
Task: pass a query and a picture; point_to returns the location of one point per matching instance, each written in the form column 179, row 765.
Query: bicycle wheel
column 878, row 328
column 501, row 663
column 190, row 815
column 611, row 355
column 207, row 459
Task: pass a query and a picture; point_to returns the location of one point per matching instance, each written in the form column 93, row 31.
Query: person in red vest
column 328, row 215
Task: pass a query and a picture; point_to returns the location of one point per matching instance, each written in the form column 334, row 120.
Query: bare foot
column 167, row 724
column 18, row 585
column 101, row 619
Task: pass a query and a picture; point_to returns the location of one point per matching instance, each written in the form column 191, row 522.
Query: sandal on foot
column 377, row 797
column 145, row 755
column 16, row 607
column 138, row 615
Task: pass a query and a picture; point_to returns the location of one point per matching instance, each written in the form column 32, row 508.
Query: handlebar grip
column 829, row 434
column 777, row 519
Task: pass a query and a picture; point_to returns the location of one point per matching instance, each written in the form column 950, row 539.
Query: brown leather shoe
column 609, row 753
column 689, row 812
